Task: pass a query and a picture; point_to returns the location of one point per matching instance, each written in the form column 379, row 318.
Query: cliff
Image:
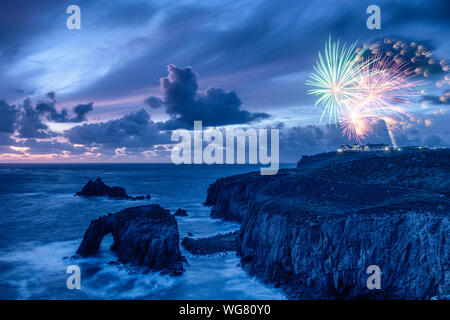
column 315, row 229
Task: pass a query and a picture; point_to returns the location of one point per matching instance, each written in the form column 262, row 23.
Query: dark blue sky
column 248, row 64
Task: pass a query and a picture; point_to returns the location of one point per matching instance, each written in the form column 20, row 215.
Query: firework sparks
column 355, row 125
column 356, row 92
column 385, row 86
column 335, row 79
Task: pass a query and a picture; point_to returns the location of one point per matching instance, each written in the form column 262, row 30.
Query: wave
column 39, row 271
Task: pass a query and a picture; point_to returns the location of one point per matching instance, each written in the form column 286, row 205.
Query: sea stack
column 98, row 188
column 145, row 236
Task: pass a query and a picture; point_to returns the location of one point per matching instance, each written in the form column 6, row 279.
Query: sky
column 113, row 90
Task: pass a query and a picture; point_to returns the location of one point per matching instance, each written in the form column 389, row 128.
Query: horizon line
column 182, row 164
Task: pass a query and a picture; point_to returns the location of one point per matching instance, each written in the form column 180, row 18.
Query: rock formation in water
column 145, row 236
column 180, row 213
column 315, row 230
column 98, row 188
column 214, row 244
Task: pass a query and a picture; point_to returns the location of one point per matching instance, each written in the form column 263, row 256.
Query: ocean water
column 42, row 224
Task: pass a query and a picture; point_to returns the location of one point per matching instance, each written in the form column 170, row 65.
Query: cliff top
column 391, row 181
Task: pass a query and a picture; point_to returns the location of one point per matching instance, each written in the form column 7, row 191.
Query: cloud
column 51, row 146
column 430, row 130
column 249, row 43
column 25, row 119
column 251, row 40
column 437, row 100
column 81, row 110
column 30, row 124
column 5, row 139
column 184, row 104
column 154, row 102
column 133, row 130
column 433, row 140
column 308, row 135
column 14, row 35
column 51, row 149
column 48, row 109
column 310, row 139
column 29, row 119
column 8, row 117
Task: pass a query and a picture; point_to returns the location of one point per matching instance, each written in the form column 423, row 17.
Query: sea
column 42, row 224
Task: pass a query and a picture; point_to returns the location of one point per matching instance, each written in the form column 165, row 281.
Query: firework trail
column 367, row 90
column 390, row 125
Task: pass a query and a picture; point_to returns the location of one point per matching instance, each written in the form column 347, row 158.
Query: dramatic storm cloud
column 185, row 104
column 133, row 130
column 30, row 124
column 81, row 110
column 49, row 109
column 31, row 120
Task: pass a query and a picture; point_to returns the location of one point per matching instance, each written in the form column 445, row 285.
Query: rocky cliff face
column 146, row 236
column 314, row 230
column 210, row 245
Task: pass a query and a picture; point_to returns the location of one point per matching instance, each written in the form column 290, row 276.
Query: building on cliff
column 367, row 147
column 376, row 147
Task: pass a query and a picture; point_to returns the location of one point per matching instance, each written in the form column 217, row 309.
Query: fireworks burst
column 356, row 92
column 335, row 80
column 385, row 86
column 355, row 125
